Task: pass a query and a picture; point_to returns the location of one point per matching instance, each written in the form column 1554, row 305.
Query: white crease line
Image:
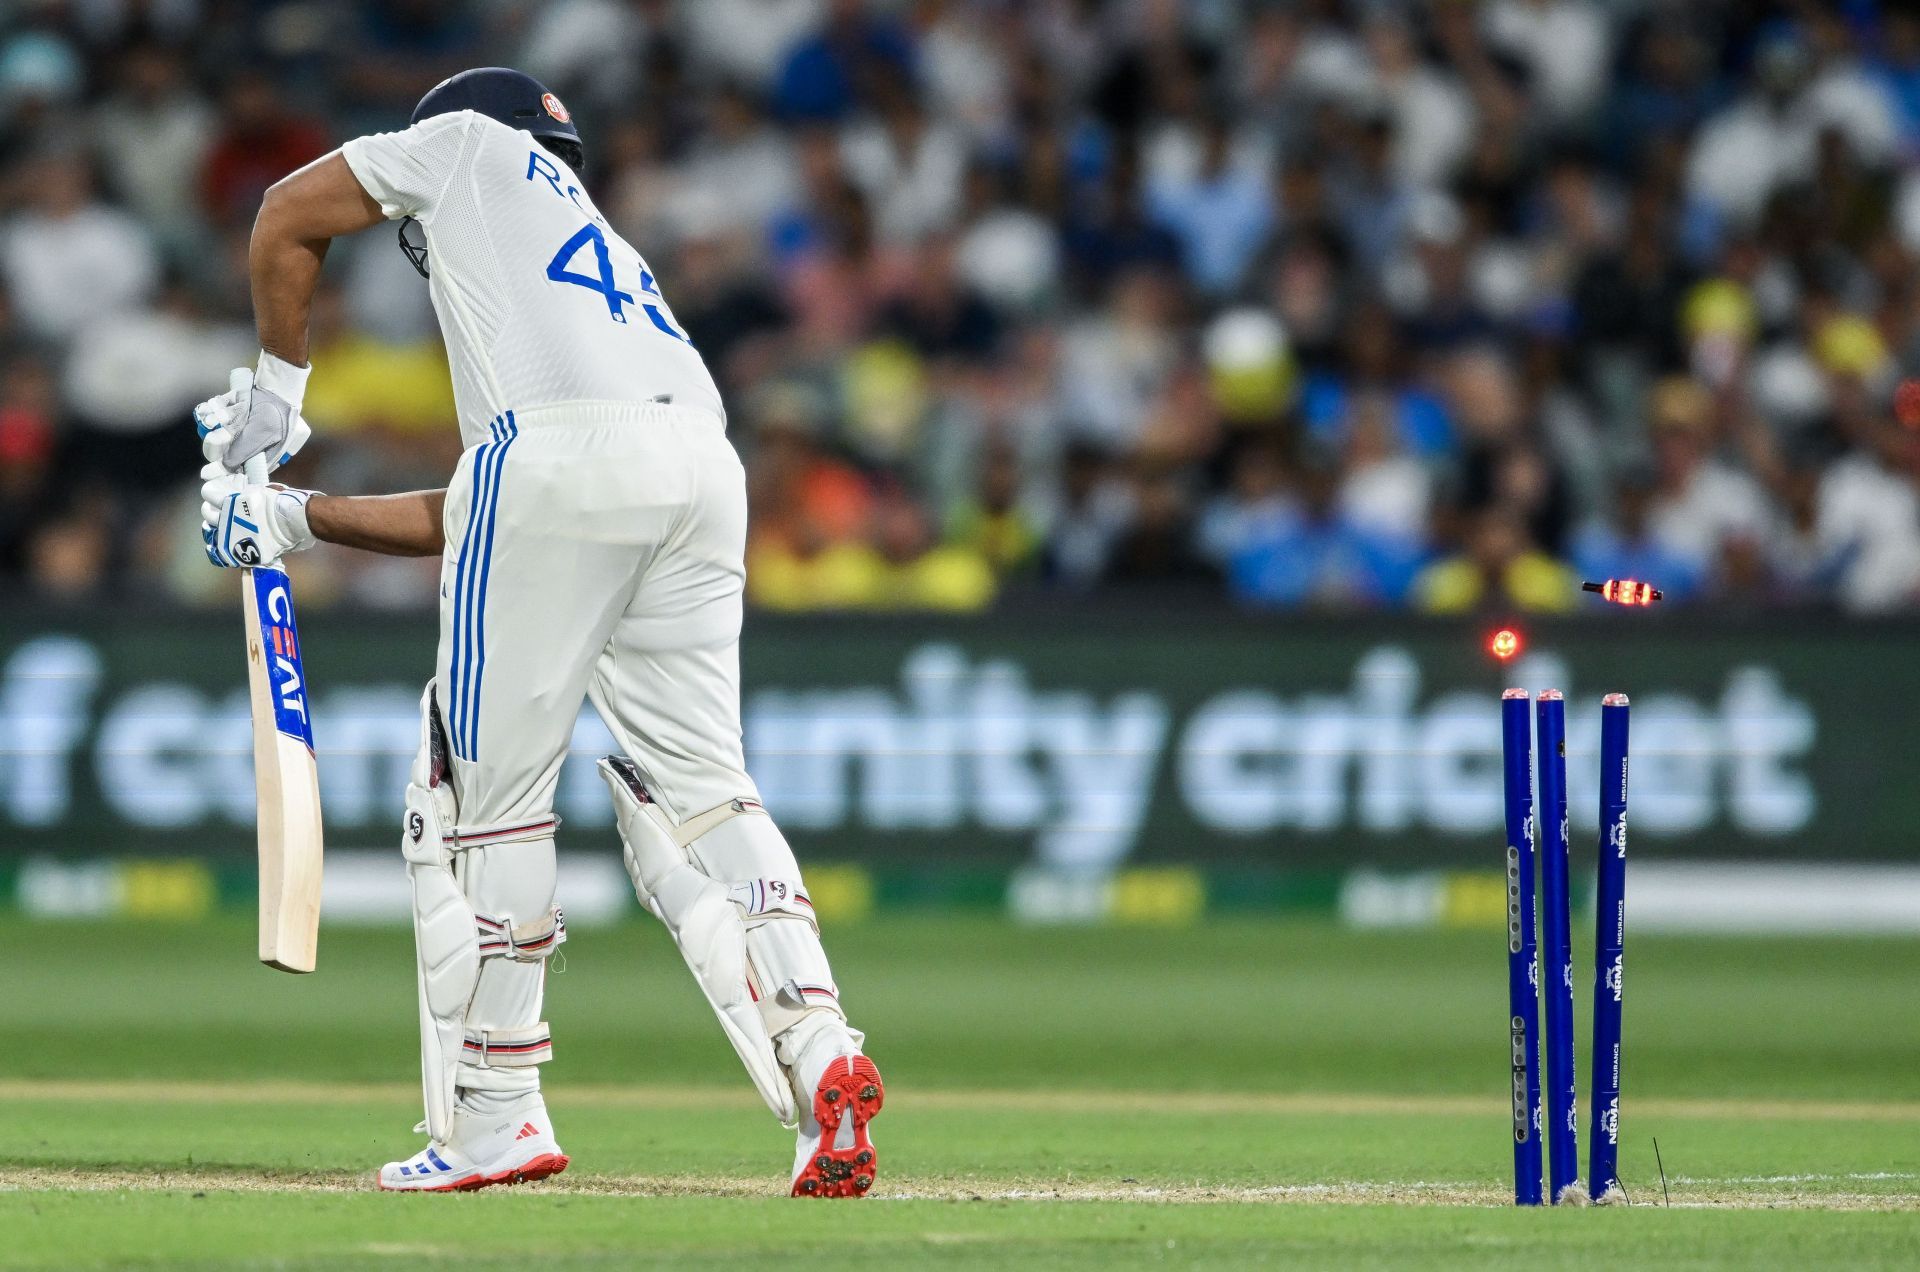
column 1792, row 1179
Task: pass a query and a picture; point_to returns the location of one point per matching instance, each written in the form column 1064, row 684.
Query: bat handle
column 241, row 381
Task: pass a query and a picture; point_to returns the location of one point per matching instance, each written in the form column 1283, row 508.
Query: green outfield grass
column 1250, row 1091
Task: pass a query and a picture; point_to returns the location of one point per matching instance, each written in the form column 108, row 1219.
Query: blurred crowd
column 1338, row 304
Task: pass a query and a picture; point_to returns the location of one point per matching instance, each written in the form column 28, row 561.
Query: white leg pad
column 743, row 938
column 505, row 1037
column 786, row 964
column 453, row 943
column 447, row 958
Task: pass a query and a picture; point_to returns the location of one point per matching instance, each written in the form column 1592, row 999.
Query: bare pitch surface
column 1201, row 1097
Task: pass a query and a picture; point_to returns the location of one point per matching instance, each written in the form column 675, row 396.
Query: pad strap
column 524, row 942
column 460, row 838
column 786, row 1006
column 761, row 898
column 700, row 823
column 507, row 1048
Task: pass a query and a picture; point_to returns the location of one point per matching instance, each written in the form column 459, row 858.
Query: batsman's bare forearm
column 393, row 525
column 301, row 215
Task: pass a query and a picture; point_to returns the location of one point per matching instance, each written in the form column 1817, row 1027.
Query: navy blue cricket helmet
column 514, row 98
column 511, row 97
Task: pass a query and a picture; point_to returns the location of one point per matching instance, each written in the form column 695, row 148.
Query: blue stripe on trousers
column 478, row 620
column 476, row 519
column 462, row 588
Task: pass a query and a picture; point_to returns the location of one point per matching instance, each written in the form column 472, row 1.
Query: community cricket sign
column 1030, row 743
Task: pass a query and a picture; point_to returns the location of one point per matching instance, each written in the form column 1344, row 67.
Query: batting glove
column 244, row 526
column 263, row 419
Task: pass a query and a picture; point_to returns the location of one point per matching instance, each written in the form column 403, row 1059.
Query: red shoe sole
column 539, row 1168
column 850, row 1087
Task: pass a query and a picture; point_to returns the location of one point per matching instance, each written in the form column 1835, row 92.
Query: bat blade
column 286, row 778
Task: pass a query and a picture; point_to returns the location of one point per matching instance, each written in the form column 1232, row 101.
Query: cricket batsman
column 591, row 543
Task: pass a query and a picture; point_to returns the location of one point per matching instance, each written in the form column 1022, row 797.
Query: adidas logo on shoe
column 526, row 1129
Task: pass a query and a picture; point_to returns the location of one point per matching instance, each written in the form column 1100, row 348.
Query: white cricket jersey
column 539, row 300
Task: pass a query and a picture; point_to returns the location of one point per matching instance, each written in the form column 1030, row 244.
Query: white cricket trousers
column 594, row 550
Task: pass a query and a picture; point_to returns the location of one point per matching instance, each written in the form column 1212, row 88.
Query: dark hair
column 568, row 152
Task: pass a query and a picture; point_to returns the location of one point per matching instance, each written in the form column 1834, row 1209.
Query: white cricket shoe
column 835, row 1157
column 509, row 1147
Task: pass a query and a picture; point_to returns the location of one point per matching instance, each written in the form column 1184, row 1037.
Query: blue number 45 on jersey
column 601, row 281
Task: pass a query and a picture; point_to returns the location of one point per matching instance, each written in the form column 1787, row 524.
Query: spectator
column 1306, row 550
column 726, row 307
column 1564, row 46
column 591, row 52
column 1096, row 507
column 1258, row 504
column 1626, row 308
column 1373, row 203
column 402, row 49
column 1898, row 70
column 1801, row 567
column 153, row 134
column 991, row 523
column 1503, row 461
column 899, row 568
column 966, row 66
column 259, row 141
column 909, row 167
column 1699, row 503
column 747, row 41
column 937, row 313
column 829, row 72
column 29, row 433
column 1009, row 251
column 1665, row 94
column 740, row 171
column 1115, row 361
column 1220, row 214
column 40, row 75
column 1108, row 231
column 397, row 397
column 1158, row 544
column 1371, row 359
column 1433, row 116
column 918, row 573
column 1868, row 519
column 1768, row 138
column 1383, row 490
column 70, row 556
column 803, row 498
column 1498, row 569
column 68, row 258
column 1250, row 369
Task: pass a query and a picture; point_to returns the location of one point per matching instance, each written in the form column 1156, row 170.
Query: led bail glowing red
column 1624, row 591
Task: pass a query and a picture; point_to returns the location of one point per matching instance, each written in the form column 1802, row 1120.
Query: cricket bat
column 285, row 778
